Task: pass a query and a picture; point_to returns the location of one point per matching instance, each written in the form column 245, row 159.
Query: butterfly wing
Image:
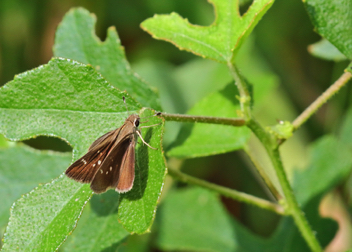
column 102, row 139
column 126, row 178
column 84, row 169
column 108, row 174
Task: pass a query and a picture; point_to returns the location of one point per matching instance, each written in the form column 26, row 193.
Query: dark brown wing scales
column 126, row 178
column 108, row 174
column 84, row 169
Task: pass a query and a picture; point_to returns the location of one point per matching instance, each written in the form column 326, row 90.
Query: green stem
column 243, row 197
column 202, row 119
column 262, row 173
column 333, row 89
column 270, row 144
column 245, row 97
column 292, row 205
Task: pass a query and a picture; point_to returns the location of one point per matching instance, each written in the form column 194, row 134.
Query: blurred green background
column 275, row 53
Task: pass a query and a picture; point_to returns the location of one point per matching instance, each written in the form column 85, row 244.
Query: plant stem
column 243, row 197
column 270, row 144
column 263, row 174
column 292, row 205
column 245, row 97
column 333, row 89
column 202, row 119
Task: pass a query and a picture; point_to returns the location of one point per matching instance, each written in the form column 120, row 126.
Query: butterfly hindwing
column 126, row 177
column 109, row 173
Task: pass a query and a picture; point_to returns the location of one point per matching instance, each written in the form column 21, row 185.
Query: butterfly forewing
column 102, row 139
column 84, row 169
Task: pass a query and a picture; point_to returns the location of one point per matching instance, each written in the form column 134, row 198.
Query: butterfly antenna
column 124, row 101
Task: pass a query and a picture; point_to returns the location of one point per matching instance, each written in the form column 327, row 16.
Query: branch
column 333, row 89
column 243, row 197
column 292, row 204
column 202, row 119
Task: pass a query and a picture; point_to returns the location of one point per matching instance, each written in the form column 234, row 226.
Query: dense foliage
column 253, row 166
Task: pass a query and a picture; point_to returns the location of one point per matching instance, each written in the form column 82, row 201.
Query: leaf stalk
column 333, row 89
column 202, row 119
column 227, row 192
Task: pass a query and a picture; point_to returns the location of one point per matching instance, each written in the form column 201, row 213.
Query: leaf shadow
column 106, row 203
column 230, row 92
column 114, row 247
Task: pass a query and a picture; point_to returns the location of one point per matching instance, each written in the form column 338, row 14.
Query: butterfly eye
column 136, row 122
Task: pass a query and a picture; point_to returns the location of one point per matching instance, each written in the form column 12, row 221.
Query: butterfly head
column 134, row 120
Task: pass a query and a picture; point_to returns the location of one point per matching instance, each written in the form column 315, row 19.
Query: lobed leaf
column 70, row 100
column 75, row 39
column 219, row 41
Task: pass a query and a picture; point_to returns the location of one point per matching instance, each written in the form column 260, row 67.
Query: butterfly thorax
column 129, row 128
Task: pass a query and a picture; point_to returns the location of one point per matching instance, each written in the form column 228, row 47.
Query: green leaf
column 42, row 219
column 63, row 98
column 325, row 50
column 199, row 78
column 134, row 243
column 199, row 139
column 22, row 169
column 76, row 39
column 182, row 211
column 193, row 219
column 345, row 135
column 99, row 215
column 3, row 142
column 332, row 20
column 255, row 68
column 70, row 100
column 138, row 206
column 331, row 161
column 221, row 40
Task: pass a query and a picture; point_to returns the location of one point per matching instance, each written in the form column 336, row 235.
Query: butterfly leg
column 139, row 134
column 149, row 126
